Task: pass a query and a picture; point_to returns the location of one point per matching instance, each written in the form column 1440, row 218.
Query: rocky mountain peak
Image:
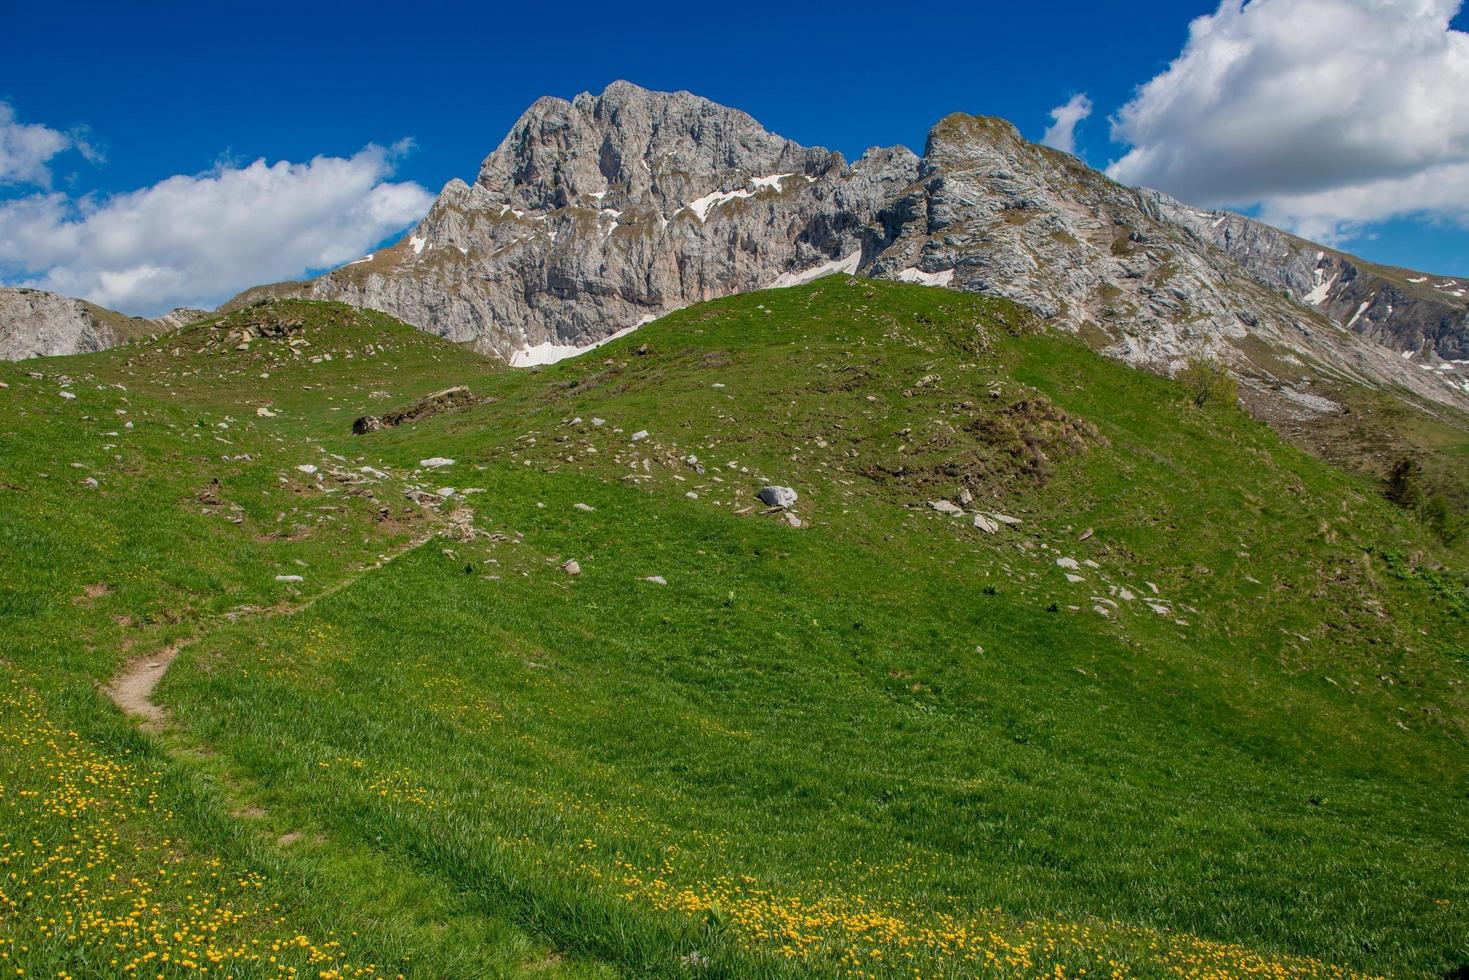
column 631, row 144
column 597, row 213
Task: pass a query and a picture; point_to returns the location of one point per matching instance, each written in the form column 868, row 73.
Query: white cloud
column 1327, row 113
column 26, row 149
column 197, row 240
column 1064, row 120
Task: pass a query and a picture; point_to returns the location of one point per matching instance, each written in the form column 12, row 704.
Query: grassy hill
column 1200, row 712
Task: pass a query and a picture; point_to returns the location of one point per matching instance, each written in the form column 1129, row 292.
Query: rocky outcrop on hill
column 598, row 214
column 35, row 323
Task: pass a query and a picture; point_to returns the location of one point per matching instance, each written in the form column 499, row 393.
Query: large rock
column 453, row 399
column 773, row 496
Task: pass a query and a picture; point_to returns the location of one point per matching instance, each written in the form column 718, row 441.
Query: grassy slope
column 882, row 743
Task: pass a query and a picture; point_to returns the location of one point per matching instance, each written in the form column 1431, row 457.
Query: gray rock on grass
column 775, row 496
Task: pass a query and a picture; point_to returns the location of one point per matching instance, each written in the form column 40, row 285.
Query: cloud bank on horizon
column 1327, row 115
column 192, row 240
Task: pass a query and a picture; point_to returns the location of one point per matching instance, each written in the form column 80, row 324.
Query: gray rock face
column 600, row 213
column 1411, row 312
column 992, row 213
column 34, row 323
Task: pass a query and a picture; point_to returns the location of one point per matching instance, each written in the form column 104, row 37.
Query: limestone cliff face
column 597, row 214
column 35, row 323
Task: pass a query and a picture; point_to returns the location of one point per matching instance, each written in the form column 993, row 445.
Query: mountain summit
column 598, row 214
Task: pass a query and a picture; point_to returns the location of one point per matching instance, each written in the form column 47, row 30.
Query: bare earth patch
column 132, row 689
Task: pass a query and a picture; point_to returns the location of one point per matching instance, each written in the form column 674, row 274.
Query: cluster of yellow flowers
column 862, row 938
column 401, row 786
column 88, row 887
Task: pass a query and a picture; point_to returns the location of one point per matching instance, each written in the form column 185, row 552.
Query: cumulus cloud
column 1064, row 120
column 196, row 240
column 26, row 149
column 1327, row 113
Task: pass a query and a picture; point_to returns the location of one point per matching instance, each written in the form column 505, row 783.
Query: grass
column 884, row 743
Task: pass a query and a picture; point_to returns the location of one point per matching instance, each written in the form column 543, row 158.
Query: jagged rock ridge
column 597, row 214
column 1411, row 312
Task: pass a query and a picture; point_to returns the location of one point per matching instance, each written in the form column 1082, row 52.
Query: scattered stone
column 656, row 580
column 1005, row 519
column 640, row 435
column 461, row 525
column 792, row 519
column 264, row 412
column 67, row 395
column 985, row 524
column 435, row 462
column 1070, row 563
column 586, row 507
column 598, row 422
column 571, row 567
column 965, row 497
column 90, row 483
column 1073, row 578
column 306, row 468
column 946, row 507
column 774, row 496
column 288, row 578
column 1086, row 535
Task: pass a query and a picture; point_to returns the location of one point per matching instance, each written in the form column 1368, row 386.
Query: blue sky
column 148, row 91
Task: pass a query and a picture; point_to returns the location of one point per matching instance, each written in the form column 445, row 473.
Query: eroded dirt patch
column 132, row 688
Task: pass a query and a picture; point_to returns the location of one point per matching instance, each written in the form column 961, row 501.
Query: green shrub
column 1207, row 382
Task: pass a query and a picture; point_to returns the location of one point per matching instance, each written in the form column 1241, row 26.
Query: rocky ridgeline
column 1423, row 317
column 35, row 323
column 598, row 214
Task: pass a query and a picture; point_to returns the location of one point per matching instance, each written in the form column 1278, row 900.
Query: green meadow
column 1190, row 704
